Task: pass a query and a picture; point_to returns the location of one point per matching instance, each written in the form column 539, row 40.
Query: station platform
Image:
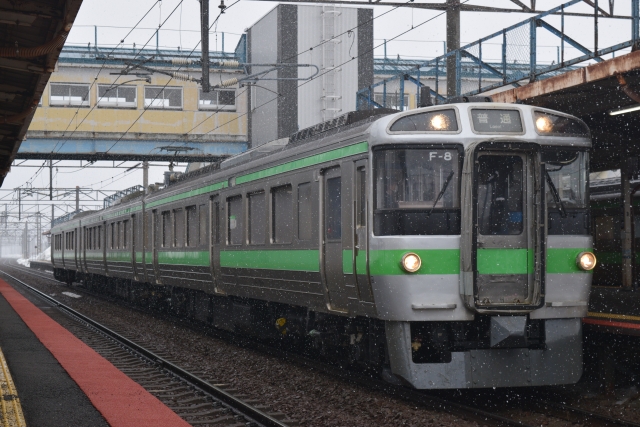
column 41, row 265
column 54, row 379
column 614, row 310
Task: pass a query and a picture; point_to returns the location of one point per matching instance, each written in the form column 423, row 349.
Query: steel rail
column 235, row 404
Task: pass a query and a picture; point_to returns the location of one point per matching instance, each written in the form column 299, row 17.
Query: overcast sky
column 114, row 19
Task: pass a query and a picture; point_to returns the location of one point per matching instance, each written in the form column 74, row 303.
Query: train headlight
column 586, row 261
column 439, row 122
column 411, row 262
column 544, row 124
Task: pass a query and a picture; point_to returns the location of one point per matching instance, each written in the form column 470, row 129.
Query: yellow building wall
column 154, row 121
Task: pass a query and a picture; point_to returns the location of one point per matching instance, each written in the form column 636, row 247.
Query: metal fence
column 519, row 63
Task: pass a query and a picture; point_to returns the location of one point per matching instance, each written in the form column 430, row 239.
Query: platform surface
column 614, row 309
column 63, row 382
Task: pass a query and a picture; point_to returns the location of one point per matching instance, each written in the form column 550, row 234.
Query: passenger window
column 166, row 229
column 361, row 212
column 500, row 194
column 178, row 231
column 147, row 237
column 304, row 211
column 125, row 233
column 333, row 209
column 99, row 235
column 257, row 219
column 282, row 214
column 113, row 235
column 215, row 222
column 234, row 221
column 192, row 226
column 203, row 224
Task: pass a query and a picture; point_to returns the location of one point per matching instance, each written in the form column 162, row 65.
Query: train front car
column 480, row 251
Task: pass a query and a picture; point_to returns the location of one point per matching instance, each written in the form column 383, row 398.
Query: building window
column 117, row 96
column 234, row 221
column 257, row 219
column 69, row 95
column 217, row 100
column 282, row 214
column 163, row 98
column 304, row 211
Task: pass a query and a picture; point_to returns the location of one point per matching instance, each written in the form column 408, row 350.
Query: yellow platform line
column 614, row 316
column 9, row 402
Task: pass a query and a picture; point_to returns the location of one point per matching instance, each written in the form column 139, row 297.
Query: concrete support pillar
column 453, row 43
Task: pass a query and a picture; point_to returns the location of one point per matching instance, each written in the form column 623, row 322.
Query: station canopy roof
column 593, row 93
column 32, row 33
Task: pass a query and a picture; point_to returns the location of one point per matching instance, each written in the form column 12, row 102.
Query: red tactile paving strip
column 120, row 400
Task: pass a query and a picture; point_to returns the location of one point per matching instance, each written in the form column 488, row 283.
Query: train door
column 507, row 244
column 134, row 238
column 214, row 242
column 361, row 243
column 331, row 240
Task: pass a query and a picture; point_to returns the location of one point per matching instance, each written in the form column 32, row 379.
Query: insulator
column 230, row 63
column 182, row 76
column 229, row 82
column 181, row 61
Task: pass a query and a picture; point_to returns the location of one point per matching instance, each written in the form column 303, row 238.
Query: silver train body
column 438, row 245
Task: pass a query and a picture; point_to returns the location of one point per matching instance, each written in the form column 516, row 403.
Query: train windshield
column 416, row 191
column 568, row 172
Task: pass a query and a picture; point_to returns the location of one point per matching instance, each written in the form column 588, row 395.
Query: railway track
column 191, row 397
column 454, row 406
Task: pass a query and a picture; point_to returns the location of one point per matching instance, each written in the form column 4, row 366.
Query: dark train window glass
column 568, row 171
column 361, row 189
column 432, row 121
column 304, row 211
column 166, row 229
column 125, row 233
column 333, row 209
column 282, row 214
column 257, row 218
column 178, row 230
column 202, row 221
column 192, row 226
column 215, row 222
column 112, row 240
column 119, row 234
column 147, row 237
column 235, row 221
column 414, row 178
column 500, row 194
column 99, row 236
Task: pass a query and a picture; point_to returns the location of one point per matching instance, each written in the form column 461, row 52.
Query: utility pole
column 204, row 34
column 453, row 43
column 77, row 198
column 51, row 178
column 53, row 208
column 145, row 175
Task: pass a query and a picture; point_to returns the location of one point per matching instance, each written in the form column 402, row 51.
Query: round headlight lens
column 411, row 262
column 586, row 261
column 439, row 122
column 544, row 124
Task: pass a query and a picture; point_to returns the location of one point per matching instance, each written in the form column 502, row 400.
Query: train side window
column 99, row 236
column 282, row 214
column 257, row 218
column 333, row 209
column 234, row 220
column 166, row 229
column 203, row 224
column 304, row 211
column 215, row 222
column 178, row 230
column 125, row 234
column 192, row 226
column 361, row 212
column 147, row 231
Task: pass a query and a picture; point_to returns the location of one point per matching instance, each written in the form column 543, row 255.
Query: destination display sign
column 496, row 121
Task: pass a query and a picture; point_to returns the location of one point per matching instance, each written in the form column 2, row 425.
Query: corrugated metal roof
column 29, row 47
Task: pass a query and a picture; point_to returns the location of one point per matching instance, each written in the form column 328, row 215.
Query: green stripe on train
column 505, row 261
column 295, row 260
column 434, row 261
column 350, row 150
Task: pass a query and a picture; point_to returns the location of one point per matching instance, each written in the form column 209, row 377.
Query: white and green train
column 446, row 247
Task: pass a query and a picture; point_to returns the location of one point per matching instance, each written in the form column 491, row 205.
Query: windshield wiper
column 556, row 196
column 444, row 188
